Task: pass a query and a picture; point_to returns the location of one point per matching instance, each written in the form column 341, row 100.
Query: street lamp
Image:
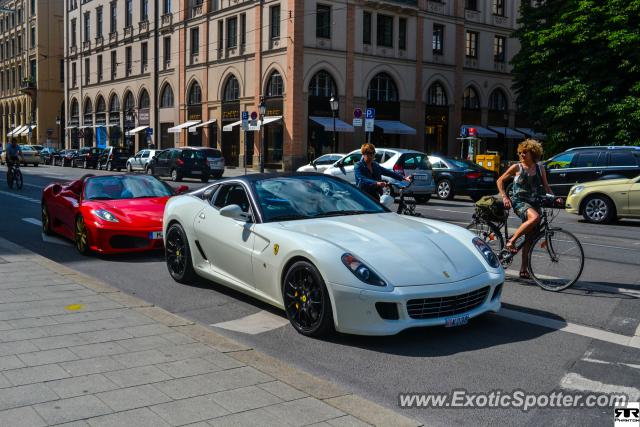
column 334, row 109
column 262, row 109
column 58, row 123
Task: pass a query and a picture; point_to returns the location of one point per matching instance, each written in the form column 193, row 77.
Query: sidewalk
column 75, row 350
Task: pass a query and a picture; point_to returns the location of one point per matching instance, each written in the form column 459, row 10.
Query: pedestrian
column 369, row 173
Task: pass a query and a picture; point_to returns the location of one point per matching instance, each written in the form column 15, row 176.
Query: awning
column 507, row 132
column 25, row 131
column 531, row 133
column 177, row 129
column 133, row 131
column 327, row 123
column 482, row 132
column 230, row 126
column 16, row 131
column 395, row 127
column 203, row 124
column 270, row 119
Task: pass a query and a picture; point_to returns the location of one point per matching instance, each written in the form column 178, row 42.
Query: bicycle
column 404, row 207
column 556, row 257
column 14, row 175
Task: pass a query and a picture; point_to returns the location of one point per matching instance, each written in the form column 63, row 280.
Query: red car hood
column 143, row 212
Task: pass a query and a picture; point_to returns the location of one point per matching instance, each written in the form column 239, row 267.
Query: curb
column 349, row 403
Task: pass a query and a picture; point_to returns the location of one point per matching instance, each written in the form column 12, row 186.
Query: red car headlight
column 105, row 215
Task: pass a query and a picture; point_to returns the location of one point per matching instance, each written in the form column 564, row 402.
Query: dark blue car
column 462, row 177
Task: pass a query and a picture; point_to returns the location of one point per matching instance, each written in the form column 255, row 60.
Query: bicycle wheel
column 556, row 259
column 18, row 179
column 489, row 233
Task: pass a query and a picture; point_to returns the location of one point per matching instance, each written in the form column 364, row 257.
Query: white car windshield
column 125, row 187
column 304, row 197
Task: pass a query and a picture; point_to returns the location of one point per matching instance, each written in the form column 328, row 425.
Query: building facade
column 31, row 77
column 181, row 72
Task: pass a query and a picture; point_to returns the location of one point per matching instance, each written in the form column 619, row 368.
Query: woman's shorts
column 520, row 208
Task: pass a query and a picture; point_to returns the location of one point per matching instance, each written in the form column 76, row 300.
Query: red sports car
column 108, row 214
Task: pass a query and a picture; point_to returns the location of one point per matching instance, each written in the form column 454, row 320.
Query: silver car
column 30, row 155
column 140, row 162
column 403, row 161
column 321, row 163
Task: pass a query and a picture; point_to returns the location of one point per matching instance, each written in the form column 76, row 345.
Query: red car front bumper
column 113, row 239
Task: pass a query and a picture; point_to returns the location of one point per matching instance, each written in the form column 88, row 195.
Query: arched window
column 322, row 84
column 195, row 94
column 101, row 106
column 75, row 109
column 436, row 95
column 129, row 103
column 382, row 88
column 144, row 99
column 88, row 112
column 114, row 105
column 470, row 99
column 231, row 90
column 166, row 98
column 498, row 100
column 276, row 86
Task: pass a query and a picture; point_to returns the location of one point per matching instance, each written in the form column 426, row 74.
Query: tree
column 577, row 74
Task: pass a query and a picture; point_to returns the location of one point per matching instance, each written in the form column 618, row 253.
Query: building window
column 166, row 98
column 20, row 17
column 243, row 30
column 470, row 99
column 322, row 84
column 498, row 101
column 114, row 106
column 471, row 4
column 366, row 27
column 275, row 22
column 232, row 33
column 382, row 89
column 20, row 47
column 113, row 20
column 101, row 107
column 99, row 68
column 498, row 7
column 195, row 95
column 87, row 71
column 144, row 56
column 323, row 21
column 114, row 64
column 128, row 13
column 145, row 102
column 128, row 60
column 166, row 7
column 129, row 104
column 276, row 86
column 167, row 51
column 62, row 70
column 195, row 41
column 438, row 39
column 33, row 7
column 87, row 27
column 75, row 110
column 471, row 45
column 88, row 113
column 73, row 33
column 499, row 48
column 33, row 69
column 74, row 75
column 402, row 34
column 231, row 89
column 385, row 31
column 99, row 22
column 144, row 10
column 436, row 95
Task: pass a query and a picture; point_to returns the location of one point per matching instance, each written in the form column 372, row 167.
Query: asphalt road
column 494, row 352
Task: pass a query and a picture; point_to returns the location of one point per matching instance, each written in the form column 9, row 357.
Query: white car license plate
column 456, row 321
column 155, row 235
column 420, row 177
column 488, row 179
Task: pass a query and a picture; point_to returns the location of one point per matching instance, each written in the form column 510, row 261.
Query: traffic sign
column 254, row 115
column 245, row 115
column 368, row 125
column 371, row 113
column 357, row 113
column 149, row 131
column 245, row 120
column 357, row 123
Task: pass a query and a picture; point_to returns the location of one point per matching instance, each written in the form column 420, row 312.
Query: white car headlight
column 486, row 252
column 577, row 189
column 361, row 271
column 105, row 215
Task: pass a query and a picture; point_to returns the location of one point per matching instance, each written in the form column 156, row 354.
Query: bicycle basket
column 491, row 209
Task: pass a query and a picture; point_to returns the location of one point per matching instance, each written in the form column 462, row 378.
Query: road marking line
column 587, row 358
column 572, row 328
column 33, row 221
column 254, row 324
column 18, row 196
column 573, row 381
column 45, row 238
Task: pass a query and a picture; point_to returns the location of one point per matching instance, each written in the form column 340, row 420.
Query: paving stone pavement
column 76, row 351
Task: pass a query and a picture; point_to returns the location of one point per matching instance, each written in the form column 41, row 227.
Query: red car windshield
column 125, row 187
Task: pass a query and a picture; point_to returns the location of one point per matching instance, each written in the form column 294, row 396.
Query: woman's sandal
column 525, row 275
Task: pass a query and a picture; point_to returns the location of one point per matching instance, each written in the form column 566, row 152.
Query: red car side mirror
column 182, row 189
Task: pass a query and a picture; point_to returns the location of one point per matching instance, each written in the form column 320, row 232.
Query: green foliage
column 578, row 71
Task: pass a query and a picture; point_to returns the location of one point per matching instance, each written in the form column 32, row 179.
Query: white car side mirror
column 387, row 201
column 234, row 212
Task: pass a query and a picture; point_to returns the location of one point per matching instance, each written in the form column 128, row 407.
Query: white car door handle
column 201, row 215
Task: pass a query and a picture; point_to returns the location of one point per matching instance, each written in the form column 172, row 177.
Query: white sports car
column 330, row 256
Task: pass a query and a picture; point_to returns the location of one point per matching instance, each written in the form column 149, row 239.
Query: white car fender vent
column 496, row 292
column 387, row 310
column 202, row 254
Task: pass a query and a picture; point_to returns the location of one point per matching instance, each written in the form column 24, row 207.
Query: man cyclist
column 14, row 154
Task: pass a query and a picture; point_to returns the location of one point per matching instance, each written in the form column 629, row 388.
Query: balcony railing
column 166, row 19
column 28, row 83
column 143, row 26
column 196, row 10
column 73, row 50
column 128, row 31
column 113, row 37
column 86, row 45
column 99, row 40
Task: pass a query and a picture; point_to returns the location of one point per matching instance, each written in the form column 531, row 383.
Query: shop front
column 273, row 132
column 101, row 129
column 321, row 128
column 436, row 128
column 194, row 133
column 231, row 132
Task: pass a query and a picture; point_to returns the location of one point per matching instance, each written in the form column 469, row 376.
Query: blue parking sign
column 149, row 131
column 245, row 115
column 371, row 113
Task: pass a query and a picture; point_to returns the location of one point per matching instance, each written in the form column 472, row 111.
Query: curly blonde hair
column 367, row 147
column 532, row 146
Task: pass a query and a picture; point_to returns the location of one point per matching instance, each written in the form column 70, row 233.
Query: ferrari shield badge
column 276, row 248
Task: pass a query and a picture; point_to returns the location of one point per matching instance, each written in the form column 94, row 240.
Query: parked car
column 584, row 164
column 63, row 157
column 604, row 201
column 46, row 155
column 141, row 160
column 215, row 161
column 30, row 155
column 403, row 161
column 38, row 148
column 462, row 177
column 322, row 163
column 87, row 157
column 113, row 158
column 179, row 163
